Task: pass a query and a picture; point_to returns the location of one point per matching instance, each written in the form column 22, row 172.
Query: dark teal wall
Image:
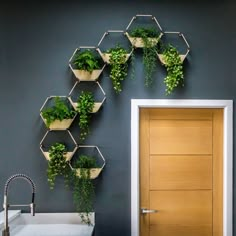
column 36, row 42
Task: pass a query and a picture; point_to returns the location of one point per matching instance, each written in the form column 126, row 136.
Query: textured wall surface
column 36, row 42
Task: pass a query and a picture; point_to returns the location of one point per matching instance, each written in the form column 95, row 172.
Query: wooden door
column 181, row 172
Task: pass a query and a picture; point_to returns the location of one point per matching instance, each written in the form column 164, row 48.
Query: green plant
column 59, row 111
column 57, row 164
column 87, row 60
column 119, row 66
column 84, row 188
column 174, row 67
column 149, row 50
column 85, row 107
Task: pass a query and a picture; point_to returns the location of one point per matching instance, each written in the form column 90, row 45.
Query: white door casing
column 227, row 106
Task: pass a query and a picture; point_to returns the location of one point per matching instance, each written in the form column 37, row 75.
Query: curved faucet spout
column 6, row 231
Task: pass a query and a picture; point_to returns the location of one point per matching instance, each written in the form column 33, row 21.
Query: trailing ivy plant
column 119, row 66
column 57, row 165
column 83, row 187
column 59, row 111
column 174, row 67
column 149, row 50
column 87, row 60
column 85, row 106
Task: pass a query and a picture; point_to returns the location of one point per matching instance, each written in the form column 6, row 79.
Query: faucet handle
column 32, row 209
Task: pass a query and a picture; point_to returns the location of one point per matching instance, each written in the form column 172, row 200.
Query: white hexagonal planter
column 182, row 56
column 84, row 75
column 137, row 42
column 94, row 172
column 106, row 56
column 68, row 155
column 97, row 104
column 57, row 124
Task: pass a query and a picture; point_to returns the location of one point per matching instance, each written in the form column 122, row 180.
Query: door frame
column 227, row 106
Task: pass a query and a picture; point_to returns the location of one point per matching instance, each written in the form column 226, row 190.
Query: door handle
column 148, row 211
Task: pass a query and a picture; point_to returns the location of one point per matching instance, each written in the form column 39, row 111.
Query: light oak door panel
column 181, row 213
column 180, row 137
column 180, row 172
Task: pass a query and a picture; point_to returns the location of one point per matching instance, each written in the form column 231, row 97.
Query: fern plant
column 85, row 106
column 149, row 50
column 84, row 188
column 119, row 66
column 59, row 111
column 58, row 165
column 174, row 67
column 87, row 60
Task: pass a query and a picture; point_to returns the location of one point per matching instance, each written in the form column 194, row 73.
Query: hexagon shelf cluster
column 92, row 76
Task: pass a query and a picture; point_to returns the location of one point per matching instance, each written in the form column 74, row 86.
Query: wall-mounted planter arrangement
column 181, row 55
column 57, row 113
column 94, row 171
column 97, row 104
column 86, row 64
column 68, row 155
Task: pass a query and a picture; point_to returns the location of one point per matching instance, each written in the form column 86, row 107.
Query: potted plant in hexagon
column 58, row 164
column 62, row 137
column 59, row 114
column 85, row 105
column 146, row 38
column 86, row 64
column 117, row 58
column 171, row 59
column 85, row 169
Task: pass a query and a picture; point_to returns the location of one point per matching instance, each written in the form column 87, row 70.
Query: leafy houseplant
column 174, row 67
column 119, row 66
column 57, row 164
column 87, row 60
column 148, row 39
column 85, row 106
column 59, row 111
column 83, row 187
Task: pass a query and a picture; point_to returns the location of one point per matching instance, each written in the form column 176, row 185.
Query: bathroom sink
column 49, row 224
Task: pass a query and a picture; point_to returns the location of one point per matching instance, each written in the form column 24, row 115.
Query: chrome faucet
column 6, row 231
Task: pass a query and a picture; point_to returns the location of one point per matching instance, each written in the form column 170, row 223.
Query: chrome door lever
column 147, row 211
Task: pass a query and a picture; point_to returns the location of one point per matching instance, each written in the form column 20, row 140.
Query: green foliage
column 149, row 51
column 85, row 107
column 57, row 164
column 59, row 111
column 87, row 60
column 142, row 32
column 119, row 66
column 174, row 67
column 84, row 188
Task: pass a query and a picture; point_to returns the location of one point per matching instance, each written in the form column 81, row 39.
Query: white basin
column 48, row 224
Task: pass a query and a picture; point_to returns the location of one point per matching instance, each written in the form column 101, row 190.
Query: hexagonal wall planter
column 94, row 172
column 182, row 56
column 68, row 155
column 106, row 56
column 137, row 42
column 84, row 75
column 97, row 105
column 57, row 124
